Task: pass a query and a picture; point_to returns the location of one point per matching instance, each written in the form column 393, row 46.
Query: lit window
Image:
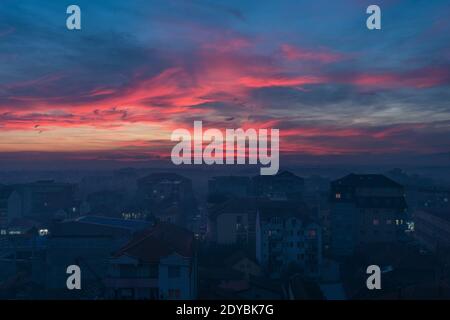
column 338, row 195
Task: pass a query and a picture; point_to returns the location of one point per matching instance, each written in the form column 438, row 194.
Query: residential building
column 5, row 195
column 42, row 200
column 282, row 186
column 160, row 263
column 365, row 209
column 225, row 187
column 87, row 242
column 233, row 222
column 162, row 187
column 287, row 239
column 159, row 191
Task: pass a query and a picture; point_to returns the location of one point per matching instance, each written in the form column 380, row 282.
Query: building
column 282, row 186
column 225, row 187
column 245, row 264
column 160, row 263
column 42, row 200
column 287, row 240
column 163, row 187
column 233, row 222
column 432, row 228
column 87, row 242
column 365, row 209
column 5, row 194
column 158, row 192
column 106, row 202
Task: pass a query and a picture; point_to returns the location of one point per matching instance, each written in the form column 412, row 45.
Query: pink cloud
column 294, row 53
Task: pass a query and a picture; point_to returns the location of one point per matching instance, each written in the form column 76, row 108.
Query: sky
column 137, row 70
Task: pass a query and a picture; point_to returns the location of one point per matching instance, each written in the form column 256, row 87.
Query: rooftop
column 366, row 181
column 160, row 241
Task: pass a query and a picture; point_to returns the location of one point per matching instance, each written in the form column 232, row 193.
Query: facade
column 167, row 196
column 229, row 186
column 282, row 186
column 5, row 195
column 160, row 263
column 432, row 228
column 365, row 209
column 287, row 239
column 87, row 242
column 233, row 222
column 163, row 187
column 42, row 200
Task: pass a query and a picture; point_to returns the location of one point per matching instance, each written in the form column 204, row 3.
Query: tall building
column 282, row 186
column 233, row 222
column 159, row 191
column 364, row 209
column 224, row 187
column 164, row 187
column 287, row 240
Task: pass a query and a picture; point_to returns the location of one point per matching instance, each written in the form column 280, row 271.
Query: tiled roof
column 160, row 241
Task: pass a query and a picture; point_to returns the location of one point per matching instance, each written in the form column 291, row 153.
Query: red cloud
column 293, row 53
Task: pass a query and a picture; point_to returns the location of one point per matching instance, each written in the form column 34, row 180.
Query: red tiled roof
column 160, row 241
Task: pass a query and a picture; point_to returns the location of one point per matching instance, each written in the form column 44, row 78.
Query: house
column 159, row 263
column 287, row 239
column 245, row 264
column 299, row 288
column 222, row 282
column 87, row 242
column 365, row 209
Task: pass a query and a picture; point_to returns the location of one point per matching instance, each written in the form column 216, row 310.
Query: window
column 376, row 222
column 389, row 221
column 338, row 195
column 174, row 272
